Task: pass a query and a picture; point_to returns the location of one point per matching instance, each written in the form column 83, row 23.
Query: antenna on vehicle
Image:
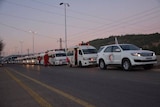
column 116, row 41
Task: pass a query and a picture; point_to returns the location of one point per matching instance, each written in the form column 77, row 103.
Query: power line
column 122, row 21
column 109, row 26
column 46, row 11
column 26, row 31
column 37, row 20
column 135, row 15
column 71, row 10
column 77, row 18
column 104, row 33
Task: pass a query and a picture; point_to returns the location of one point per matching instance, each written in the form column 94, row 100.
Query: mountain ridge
column 144, row 41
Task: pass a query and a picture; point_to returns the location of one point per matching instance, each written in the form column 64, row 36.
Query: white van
column 82, row 55
column 57, row 57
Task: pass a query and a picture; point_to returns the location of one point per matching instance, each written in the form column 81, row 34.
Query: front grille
column 146, row 54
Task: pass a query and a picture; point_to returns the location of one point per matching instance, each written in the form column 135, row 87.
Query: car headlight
column 92, row 59
column 154, row 54
column 32, row 61
column 136, row 54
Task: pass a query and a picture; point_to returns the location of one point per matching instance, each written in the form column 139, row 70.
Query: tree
column 1, row 46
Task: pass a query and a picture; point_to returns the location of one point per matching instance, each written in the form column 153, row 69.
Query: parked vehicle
column 126, row 56
column 57, row 57
column 82, row 55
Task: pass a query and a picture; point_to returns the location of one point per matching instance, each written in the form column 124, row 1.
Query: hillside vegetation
column 145, row 41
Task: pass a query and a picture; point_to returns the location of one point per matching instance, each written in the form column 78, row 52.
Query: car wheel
column 80, row 64
column 53, row 63
column 69, row 64
column 102, row 65
column 126, row 65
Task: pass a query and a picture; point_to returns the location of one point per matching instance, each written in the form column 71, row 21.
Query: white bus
column 82, row 55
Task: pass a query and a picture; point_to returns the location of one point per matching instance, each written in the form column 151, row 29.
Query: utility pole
column 65, row 20
column 33, row 34
column 60, row 43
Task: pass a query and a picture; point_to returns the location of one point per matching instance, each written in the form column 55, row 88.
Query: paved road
column 61, row 86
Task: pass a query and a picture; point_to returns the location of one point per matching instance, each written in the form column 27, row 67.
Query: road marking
column 41, row 101
column 62, row 93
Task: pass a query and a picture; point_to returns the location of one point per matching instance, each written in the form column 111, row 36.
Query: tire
column 126, row 65
column 69, row 64
column 53, row 63
column 80, row 64
column 102, row 65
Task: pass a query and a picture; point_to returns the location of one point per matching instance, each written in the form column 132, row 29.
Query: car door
column 107, row 54
column 116, row 55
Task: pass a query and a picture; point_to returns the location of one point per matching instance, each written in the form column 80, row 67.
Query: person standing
column 46, row 59
column 39, row 59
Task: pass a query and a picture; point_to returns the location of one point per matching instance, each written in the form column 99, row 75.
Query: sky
column 86, row 20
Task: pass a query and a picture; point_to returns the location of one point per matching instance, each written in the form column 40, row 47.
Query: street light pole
column 65, row 20
column 33, row 33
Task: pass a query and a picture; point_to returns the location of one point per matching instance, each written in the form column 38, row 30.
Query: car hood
column 139, row 51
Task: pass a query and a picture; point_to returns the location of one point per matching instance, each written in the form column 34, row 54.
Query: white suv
column 125, row 55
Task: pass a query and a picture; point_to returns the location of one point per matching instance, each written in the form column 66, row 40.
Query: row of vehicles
column 56, row 57
column 125, row 56
column 81, row 55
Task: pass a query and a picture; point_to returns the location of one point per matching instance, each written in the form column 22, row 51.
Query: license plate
column 148, row 58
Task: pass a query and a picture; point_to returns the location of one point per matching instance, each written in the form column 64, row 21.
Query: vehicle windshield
column 60, row 54
column 89, row 51
column 129, row 47
column 100, row 49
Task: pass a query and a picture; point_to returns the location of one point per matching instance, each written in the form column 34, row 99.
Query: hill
column 145, row 41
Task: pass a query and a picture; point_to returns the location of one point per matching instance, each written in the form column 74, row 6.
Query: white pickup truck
column 125, row 55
